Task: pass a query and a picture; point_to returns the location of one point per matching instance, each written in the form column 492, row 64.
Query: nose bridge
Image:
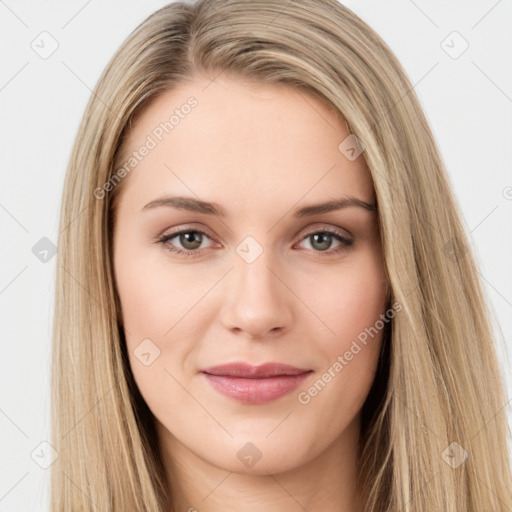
column 255, row 277
column 258, row 301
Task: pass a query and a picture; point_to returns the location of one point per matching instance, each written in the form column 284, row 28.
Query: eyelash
column 345, row 243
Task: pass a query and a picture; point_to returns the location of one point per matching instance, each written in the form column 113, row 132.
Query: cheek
column 159, row 317
column 352, row 303
column 146, row 314
column 152, row 296
column 352, row 307
column 143, row 310
column 151, row 308
column 352, row 299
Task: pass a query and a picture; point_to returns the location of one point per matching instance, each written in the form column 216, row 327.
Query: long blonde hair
column 438, row 382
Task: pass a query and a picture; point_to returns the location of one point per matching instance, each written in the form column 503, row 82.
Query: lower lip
column 255, row 391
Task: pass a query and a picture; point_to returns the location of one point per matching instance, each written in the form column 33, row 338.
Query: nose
column 259, row 302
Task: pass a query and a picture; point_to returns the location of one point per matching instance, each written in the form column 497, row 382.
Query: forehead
column 244, row 141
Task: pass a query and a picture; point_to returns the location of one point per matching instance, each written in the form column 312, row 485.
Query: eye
column 321, row 241
column 191, row 241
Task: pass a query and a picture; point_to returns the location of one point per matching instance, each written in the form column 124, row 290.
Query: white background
column 468, row 101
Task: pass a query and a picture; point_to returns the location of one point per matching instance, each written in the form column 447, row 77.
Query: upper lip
column 249, row 371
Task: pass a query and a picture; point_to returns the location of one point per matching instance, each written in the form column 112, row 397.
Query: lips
column 255, row 384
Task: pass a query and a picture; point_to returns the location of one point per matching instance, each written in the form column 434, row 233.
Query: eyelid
column 322, row 226
column 186, row 227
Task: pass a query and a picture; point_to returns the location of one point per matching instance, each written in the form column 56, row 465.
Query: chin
column 260, row 456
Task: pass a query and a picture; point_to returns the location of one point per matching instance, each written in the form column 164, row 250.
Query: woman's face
column 263, row 276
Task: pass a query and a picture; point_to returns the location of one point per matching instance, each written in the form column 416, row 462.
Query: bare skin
column 260, row 151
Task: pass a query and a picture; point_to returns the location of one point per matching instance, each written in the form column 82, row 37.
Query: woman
column 265, row 296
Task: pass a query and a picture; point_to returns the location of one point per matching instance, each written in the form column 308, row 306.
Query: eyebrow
column 212, row 208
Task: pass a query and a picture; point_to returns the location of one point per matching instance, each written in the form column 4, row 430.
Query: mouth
column 255, row 384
